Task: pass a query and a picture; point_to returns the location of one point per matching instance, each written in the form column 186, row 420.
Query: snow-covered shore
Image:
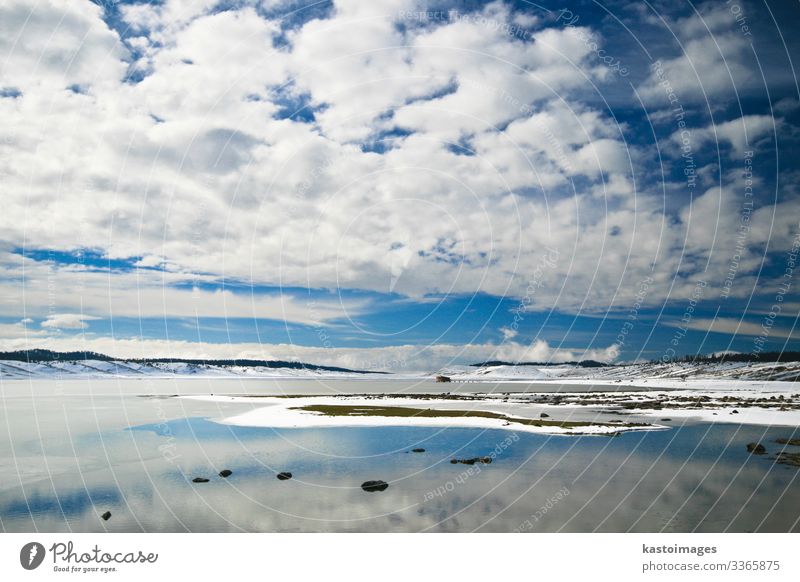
column 754, row 403
column 284, row 413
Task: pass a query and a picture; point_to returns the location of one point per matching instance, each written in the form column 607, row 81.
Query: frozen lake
column 71, row 450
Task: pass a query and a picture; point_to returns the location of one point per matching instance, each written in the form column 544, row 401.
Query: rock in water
column 793, row 442
column 106, row 516
column 225, row 473
column 442, row 378
column 756, row 448
column 374, row 486
column 199, row 480
column 472, row 461
column 283, row 476
column 544, row 415
column 417, row 450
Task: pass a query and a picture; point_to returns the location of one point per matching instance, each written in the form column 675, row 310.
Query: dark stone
column 199, row 480
column 756, row 448
column 372, row 486
column 734, row 411
column 472, row 461
column 792, row 459
column 442, row 379
column 106, row 516
column 283, row 476
column 544, row 415
column 225, row 473
column 666, row 420
column 793, row 442
column 417, row 450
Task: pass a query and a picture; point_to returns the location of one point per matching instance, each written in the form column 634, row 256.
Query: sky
column 399, row 185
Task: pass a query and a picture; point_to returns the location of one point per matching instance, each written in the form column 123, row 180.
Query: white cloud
column 508, row 333
column 148, row 294
column 68, row 321
column 50, row 45
column 19, row 330
column 714, row 59
column 741, row 134
column 192, row 169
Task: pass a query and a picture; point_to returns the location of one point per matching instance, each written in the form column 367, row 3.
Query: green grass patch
column 407, row 412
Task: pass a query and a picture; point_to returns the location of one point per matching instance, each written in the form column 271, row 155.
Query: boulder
column 225, row 473
column 372, row 486
column 199, row 480
column 544, row 415
column 106, row 516
column 756, row 448
column 472, row 461
column 442, row 378
column 284, row 475
column 417, row 450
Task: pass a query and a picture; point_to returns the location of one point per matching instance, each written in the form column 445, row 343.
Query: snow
column 677, row 375
column 121, row 369
column 279, row 413
column 754, row 415
column 665, row 374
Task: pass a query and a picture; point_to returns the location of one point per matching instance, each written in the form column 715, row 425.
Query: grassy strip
column 406, row 412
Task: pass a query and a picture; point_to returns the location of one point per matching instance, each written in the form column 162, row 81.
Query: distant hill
column 581, row 364
column 744, row 357
column 771, row 357
column 51, row 356
column 43, row 356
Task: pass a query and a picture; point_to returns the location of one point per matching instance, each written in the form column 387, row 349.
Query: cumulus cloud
column 357, row 149
column 714, row 58
column 195, row 164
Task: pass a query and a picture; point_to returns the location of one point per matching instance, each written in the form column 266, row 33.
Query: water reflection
column 137, row 458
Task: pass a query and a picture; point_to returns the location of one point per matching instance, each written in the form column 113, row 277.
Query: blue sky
column 402, row 185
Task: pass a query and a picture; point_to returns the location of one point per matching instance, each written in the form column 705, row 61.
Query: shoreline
column 276, row 412
column 751, row 407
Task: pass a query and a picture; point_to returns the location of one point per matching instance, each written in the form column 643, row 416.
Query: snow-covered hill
column 98, row 368
column 669, row 374
column 665, row 373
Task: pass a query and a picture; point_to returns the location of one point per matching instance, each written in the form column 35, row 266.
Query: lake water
column 71, row 450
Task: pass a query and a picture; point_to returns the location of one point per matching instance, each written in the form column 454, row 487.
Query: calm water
column 70, row 450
